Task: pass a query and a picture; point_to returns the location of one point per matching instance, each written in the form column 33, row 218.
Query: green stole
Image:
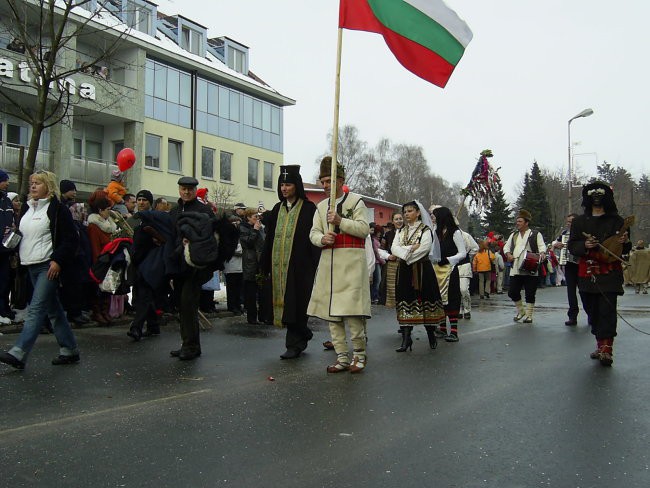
column 285, row 230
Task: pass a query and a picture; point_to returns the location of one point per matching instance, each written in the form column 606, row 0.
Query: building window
column 174, row 156
column 207, row 162
column 253, row 165
column 268, row 175
column 191, row 40
column 152, row 151
column 236, row 59
column 225, row 166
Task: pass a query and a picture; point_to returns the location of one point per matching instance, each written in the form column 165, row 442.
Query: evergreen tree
column 498, row 216
column 474, row 226
column 533, row 198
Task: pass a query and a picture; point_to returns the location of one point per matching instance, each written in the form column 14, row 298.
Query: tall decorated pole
column 483, row 184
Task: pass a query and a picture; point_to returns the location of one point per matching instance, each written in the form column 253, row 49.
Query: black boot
column 407, row 342
column 431, row 334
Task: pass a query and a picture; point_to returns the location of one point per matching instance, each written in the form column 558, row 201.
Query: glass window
column 266, row 117
column 253, row 165
column 202, row 96
column 185, row 38
column 248, row 110
column 275, row 120
column 173, row 83
column 197, row 42
column 213, row 99
column 224, row 102
column 117, row 147
column 78, row 153
column 207, row 162
column 186, row 90
column 152, row 151
column 16, row 135
column 257, row 114
column 268, row 175
column 149, row 77
column 160, row 81
column 234, row 105
column 94, row 150
column 225, row 163
column 174, row 156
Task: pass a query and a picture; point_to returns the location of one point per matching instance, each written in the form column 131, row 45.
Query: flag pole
column 335, row 130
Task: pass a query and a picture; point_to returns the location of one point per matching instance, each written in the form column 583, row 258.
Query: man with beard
column 600, row 276
column 291, row 259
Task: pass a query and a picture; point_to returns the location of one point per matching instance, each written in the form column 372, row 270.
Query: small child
column 482, row 264
column 116, row 190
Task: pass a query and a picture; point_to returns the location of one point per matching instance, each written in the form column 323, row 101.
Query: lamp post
column 585, row 113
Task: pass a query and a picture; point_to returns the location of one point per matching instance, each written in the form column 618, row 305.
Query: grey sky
column 530, row 67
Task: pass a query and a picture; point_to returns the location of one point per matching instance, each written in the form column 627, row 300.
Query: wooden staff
column 335, row 130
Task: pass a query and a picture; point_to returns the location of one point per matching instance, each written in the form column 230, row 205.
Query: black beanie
column 67, row 185
column 145, row 194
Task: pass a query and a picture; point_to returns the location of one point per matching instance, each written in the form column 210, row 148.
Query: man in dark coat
column 192, row 255
column 291, row 259
column 187, row 279
column 600, row 277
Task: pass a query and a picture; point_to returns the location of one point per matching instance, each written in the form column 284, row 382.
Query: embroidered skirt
column 417, row 294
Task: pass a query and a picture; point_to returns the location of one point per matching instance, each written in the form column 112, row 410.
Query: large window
column 225, row 166
column 174, row 156
column 253, row 170
column 207, row 162
column 268, row 175
column 152, row 151
column 236, row 59
column 167, row 94
column 191, row 40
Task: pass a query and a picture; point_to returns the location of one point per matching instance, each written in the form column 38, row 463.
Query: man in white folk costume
column 341, row 294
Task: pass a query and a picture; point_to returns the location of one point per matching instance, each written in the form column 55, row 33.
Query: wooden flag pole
column 335, row 131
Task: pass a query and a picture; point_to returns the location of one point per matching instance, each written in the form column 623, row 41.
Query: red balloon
column 125, row 159
column 346, row 189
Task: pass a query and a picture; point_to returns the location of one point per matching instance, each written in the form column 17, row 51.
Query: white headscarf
column 435, row 253
column 11, row 195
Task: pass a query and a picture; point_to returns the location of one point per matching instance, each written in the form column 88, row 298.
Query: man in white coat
column 341, row 294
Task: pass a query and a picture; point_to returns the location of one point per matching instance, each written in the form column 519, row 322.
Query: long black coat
column 302, row 263
column 601, row 228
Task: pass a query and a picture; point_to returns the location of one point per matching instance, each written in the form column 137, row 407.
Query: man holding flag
column 341, row 293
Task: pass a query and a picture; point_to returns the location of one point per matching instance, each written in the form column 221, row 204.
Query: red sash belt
column 343, row 241
column 588, row 267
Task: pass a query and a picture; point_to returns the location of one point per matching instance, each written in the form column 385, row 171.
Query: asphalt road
column 510, row 405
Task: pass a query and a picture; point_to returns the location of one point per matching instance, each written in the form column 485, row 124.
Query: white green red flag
column 426, row 36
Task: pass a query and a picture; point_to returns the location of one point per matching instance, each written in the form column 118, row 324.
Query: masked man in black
column 600, row 276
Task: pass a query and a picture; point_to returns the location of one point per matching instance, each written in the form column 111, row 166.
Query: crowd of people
column 69, row 262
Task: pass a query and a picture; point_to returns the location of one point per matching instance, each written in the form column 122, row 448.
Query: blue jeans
column 45, row 303
column 376, row 281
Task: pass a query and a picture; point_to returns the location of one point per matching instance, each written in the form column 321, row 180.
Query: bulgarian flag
column 426, row 36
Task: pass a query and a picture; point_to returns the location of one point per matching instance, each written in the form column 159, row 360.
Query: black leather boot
column 431, row 334
column 407, row 342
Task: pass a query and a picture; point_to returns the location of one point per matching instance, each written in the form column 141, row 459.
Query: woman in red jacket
column 100, row 232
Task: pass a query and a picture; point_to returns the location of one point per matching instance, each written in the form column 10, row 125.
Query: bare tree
column 224, row 196
column 46, row 32
column 353, row 155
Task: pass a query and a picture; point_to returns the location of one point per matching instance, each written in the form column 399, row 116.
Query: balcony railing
column 10, row 158
column 91, row 171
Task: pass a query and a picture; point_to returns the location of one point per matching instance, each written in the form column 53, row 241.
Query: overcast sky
column 530, row 67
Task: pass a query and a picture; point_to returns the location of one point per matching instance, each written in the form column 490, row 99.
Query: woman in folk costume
column 290, row 259
column 519, row 243
column 452, row 252
column 389, row 270
column 416, row 288
column 341, row 294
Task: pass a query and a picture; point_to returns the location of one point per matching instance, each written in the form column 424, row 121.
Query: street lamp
column 585, row 113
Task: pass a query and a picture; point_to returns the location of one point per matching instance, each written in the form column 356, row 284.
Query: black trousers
column 527, row 282
column 571, row 279
column 5, row 284
column 601, row 313
column 298, row 335
column 146, row 302
column 234, row 283
column 250, row 301
column 188, row 308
